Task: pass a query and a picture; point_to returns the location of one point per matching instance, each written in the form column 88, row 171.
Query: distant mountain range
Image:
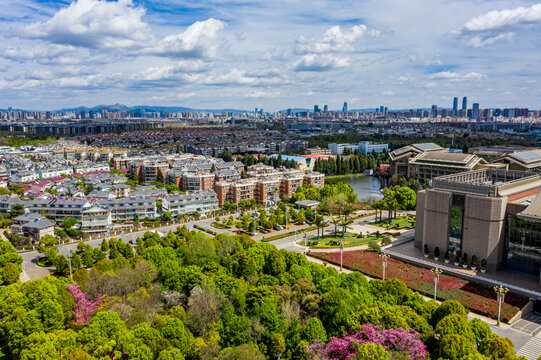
column 176, row 109
column 148, row 108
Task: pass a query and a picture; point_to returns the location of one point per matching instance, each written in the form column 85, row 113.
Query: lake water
column 366, row 187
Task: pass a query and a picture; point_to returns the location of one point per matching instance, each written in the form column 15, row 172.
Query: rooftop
column 488, row 182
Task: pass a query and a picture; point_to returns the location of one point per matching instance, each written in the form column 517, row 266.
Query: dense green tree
column 480, row 329
column 172, row 329
column 497, row 348
column 456, row 347
column 448, row 307
column 314, row 330
column 16, row 210
column 371, row 352
column 455, row 324
column 277, row 346
column 10, row 273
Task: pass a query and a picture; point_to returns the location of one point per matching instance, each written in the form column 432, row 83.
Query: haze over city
column 271, row 55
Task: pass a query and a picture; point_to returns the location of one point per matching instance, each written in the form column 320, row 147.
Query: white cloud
column 478, row 41
column 198, row 40
column 257, row 94
column 52, row 54
column 335, row 40
column 240, row 77
column 172, row 97
column 387, row 93
column 454, row 76
column 178, row 71
column 94, row 24
column 498, row 19
column 316, row 62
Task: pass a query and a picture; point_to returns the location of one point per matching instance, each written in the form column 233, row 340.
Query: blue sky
column 271, row 54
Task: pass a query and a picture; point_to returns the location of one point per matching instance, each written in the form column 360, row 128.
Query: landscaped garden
column 349, row 239
column 478, row 298
column 398, row 222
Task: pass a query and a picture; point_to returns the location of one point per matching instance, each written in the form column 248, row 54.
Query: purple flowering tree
column 84, row 308
column 391, row 339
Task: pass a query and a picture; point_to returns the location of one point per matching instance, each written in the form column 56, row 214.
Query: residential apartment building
column 125, row 209
column 267, row 190
column 314, row 178
column 234, row 192
column 197, row 181
column 290, row 182
column 202, row 202
column 95, row 219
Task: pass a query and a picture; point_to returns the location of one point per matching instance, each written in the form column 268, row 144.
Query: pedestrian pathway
column 531, row 350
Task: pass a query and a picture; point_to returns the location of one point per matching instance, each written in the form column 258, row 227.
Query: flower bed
column 284, row 235
column 400, row 222
column 476, row 297
column 208, row 231
column 220, row 226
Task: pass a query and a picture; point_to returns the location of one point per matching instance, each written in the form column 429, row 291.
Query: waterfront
column 366, row 187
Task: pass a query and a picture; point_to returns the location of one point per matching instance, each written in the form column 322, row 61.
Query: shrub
column 373, row 246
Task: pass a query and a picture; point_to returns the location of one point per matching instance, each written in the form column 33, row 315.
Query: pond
column 366, row 187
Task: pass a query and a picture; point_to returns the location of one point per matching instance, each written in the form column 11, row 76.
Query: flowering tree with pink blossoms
column 84, row 308
column 345, row 348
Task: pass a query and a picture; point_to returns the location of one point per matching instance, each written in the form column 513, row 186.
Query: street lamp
column 305, row 245
column 384, row 258
column 341, row 254
column 500, row 293
column 436, row 272
column 69, row 261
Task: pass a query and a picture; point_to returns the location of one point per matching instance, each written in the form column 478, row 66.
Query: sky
column 273, row 55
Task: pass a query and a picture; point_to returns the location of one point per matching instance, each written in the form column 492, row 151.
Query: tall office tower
column 381, row 109
column 289, row 111
column 475, row 111
column 325, row 108
column 255, row 111
column 316, row 109
column 345, row 107
column 464, row 103
column 455, row 106
column 434, row 111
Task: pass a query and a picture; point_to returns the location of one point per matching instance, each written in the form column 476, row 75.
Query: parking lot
column 530, row 324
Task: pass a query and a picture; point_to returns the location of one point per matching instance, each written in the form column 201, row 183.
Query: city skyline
column 59, row 54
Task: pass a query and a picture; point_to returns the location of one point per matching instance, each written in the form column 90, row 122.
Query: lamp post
column 436, row 272
column 500, row 293
column 69, row 261
column 305, row 245
column 384, row 258
column 341, row 253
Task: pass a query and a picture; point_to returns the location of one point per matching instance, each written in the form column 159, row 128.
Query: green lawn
column 333, row 177
column 349, row 239
column 399, row 221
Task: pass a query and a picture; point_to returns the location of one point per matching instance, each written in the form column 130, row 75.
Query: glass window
column 455, row 229
column 523, row 245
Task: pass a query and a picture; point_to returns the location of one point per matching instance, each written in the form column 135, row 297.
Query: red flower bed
column 478, row 298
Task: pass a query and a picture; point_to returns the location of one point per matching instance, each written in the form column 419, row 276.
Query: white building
column 202, row 202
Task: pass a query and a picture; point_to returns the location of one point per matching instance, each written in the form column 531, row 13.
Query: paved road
column 33, row 271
